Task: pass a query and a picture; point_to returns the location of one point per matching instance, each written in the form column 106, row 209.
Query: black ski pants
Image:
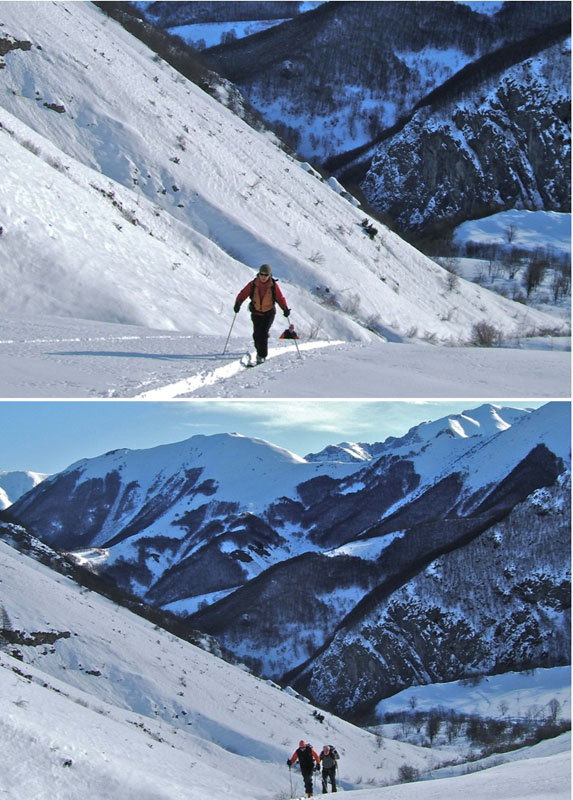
column 307, row 778
column 261, row 327
column 328, row 773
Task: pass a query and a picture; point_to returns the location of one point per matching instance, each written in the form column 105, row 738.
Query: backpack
column 305, row 758
column 334, row 752
column 252, row 292
column 290, row 333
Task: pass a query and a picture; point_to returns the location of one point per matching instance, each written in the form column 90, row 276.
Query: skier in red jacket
column 263, row 292
column 308, row 760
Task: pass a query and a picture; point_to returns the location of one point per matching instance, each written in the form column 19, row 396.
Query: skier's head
column 302, row 743
column 265, row 270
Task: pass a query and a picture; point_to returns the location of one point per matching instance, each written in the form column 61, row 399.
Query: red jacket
column 263, row 300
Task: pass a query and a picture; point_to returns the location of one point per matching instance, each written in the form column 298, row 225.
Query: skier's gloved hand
column 289, row 762
column 317, row 767
column 286, row 312
column 236, row 308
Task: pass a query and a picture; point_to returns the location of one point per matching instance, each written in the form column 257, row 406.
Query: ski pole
column 296, row 345
column 297, row 350
column 229, row 336
column 290, row 777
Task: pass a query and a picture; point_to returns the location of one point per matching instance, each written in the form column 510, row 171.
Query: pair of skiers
column 309, row 761
column 263, row 292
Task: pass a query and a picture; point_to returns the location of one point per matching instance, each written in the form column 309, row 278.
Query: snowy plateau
column 100, row 697
column 134, row 206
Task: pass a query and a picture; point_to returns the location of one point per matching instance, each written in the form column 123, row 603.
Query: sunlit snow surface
column 132, row 219
column 116, row 707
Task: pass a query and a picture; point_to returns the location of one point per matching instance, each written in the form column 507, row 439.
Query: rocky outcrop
column 500, row 603
column 509, row 140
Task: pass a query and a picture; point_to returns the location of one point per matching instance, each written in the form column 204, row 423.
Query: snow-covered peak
column 487, row 443
column 485, row 420
column 14, row 484
column 344, row 451
column 239, row 468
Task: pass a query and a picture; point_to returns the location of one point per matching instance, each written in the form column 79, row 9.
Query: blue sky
column 48, row 436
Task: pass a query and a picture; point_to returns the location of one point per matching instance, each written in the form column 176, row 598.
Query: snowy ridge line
column 195, row 382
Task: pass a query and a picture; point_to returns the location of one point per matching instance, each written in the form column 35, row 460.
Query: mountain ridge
column 238, row 564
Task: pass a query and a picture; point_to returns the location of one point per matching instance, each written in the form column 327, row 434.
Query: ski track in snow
column 50, row 357
column 187, row 386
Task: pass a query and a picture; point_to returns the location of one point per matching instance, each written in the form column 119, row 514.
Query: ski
column 248, row 363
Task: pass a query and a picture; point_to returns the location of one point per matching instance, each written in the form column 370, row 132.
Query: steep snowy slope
column 134, row 197
column 112, row 706
column 198, row 724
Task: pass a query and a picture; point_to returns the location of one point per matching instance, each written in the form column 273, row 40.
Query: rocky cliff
column 509, row 141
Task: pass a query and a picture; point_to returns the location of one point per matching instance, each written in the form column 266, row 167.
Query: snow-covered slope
column 520, row 693
column 87, row 682
column 98, row 702
column 134, row 197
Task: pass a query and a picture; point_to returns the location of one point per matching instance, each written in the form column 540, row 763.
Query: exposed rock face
column 509, row 140
column 501, row 602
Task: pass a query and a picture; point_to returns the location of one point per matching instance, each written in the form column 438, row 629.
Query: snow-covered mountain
column 440, row 113
column 134, row 197
column 243, row 537
column 96, row 700
column 482, row 421
column 14, row 484
column 336, row 77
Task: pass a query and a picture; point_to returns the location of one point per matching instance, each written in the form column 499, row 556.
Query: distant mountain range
column 438, row 555
column 16, row 483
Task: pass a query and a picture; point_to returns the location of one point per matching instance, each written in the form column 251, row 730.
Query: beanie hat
column 265, row 270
